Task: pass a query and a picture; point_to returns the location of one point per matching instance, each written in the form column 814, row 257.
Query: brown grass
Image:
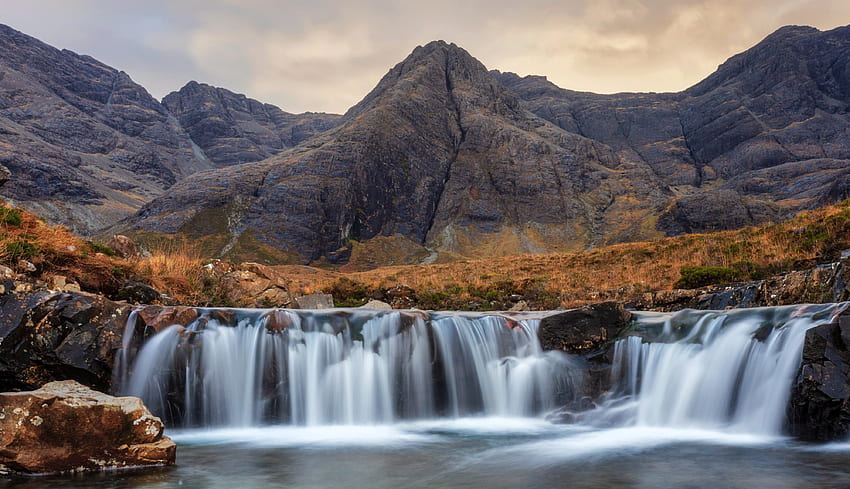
column 618, row 272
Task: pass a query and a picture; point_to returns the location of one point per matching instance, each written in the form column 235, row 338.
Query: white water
column 719, row 372
column 729, row 371
column 317, row 372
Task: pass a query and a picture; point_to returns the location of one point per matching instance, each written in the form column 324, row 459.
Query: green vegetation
column 11, row 216
column 694, row 276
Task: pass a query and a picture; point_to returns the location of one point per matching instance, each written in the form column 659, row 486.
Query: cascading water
column 311, row 368
column 728, row 370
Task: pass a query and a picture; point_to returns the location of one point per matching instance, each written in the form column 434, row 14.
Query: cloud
column 325, row 55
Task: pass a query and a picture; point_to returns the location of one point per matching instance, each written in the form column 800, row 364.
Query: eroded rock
column 819, row 408
column 67, row 427
column 583, row 330
column 47, row 336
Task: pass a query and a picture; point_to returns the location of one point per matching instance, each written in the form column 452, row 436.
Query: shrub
column 11, row 217
column 101, row 248
column 693, row 277
column 22, row 250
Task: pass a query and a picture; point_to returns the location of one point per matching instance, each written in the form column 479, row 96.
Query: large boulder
column 47, row 336
column 819, row 408
column 583, row 330
column 67, row 427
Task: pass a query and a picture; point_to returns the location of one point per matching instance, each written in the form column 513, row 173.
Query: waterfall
column 728, row 370
column 718, row 370
column 250, row 367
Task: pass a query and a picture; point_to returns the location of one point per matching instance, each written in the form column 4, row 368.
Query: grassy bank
column 621, row 272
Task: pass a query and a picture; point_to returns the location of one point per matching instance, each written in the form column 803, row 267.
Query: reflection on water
column 475, row 453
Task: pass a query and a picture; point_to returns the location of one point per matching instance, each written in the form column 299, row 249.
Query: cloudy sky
column 324, row 55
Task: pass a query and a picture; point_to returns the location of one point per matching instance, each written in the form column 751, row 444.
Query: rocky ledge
column 67, row 427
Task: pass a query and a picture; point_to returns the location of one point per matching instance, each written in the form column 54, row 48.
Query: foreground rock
column 583, row 330
column 67, row 427
column 47, row 336
column 819, row 408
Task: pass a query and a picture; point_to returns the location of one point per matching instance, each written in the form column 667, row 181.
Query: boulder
column 47, row 336
column 819, row 408
column 255, row 285
column 67, row 427
column 314, row 301
column 583, row 330
column 137, row 293
column 123, row 246
column 376, row 304
column 161, row 317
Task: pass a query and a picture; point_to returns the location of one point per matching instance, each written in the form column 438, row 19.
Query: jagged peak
column 454, row 62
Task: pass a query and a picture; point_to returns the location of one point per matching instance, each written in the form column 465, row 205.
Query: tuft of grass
column 10, row 216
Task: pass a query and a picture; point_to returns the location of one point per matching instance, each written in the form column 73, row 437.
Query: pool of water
column 478, row 453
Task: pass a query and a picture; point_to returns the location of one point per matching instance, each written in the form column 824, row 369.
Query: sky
column 325, row 55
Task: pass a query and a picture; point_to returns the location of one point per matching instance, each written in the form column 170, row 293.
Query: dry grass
column 613, row 272
column 618, row 272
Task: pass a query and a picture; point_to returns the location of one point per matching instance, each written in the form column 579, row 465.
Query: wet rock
column 314, row 301
column 161, row 317
column 123, row 246
column 819, row 408
column 46, row 336
column 583, row 330
column 137, row 293
column 277, row 321
column 67, row 427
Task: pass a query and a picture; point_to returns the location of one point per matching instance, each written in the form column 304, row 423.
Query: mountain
column 84, row 143
column 87, row 146
column 231, row 128
column 444, row 159
column 438, row 157
column 766, row 135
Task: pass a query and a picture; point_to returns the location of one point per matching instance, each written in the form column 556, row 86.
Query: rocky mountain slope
column 231, row 128
column 444, row 159
column 439, row 156
column 764, row 136
column 87, row 146
column 84, row 143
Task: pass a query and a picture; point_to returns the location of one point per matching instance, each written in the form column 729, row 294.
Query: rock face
column 439, row 155
column 584, row 330
column 231, row 128
column 819, row 408
column 86, row 145
column 67, row 427
column 47, row 336
column 764, row 136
